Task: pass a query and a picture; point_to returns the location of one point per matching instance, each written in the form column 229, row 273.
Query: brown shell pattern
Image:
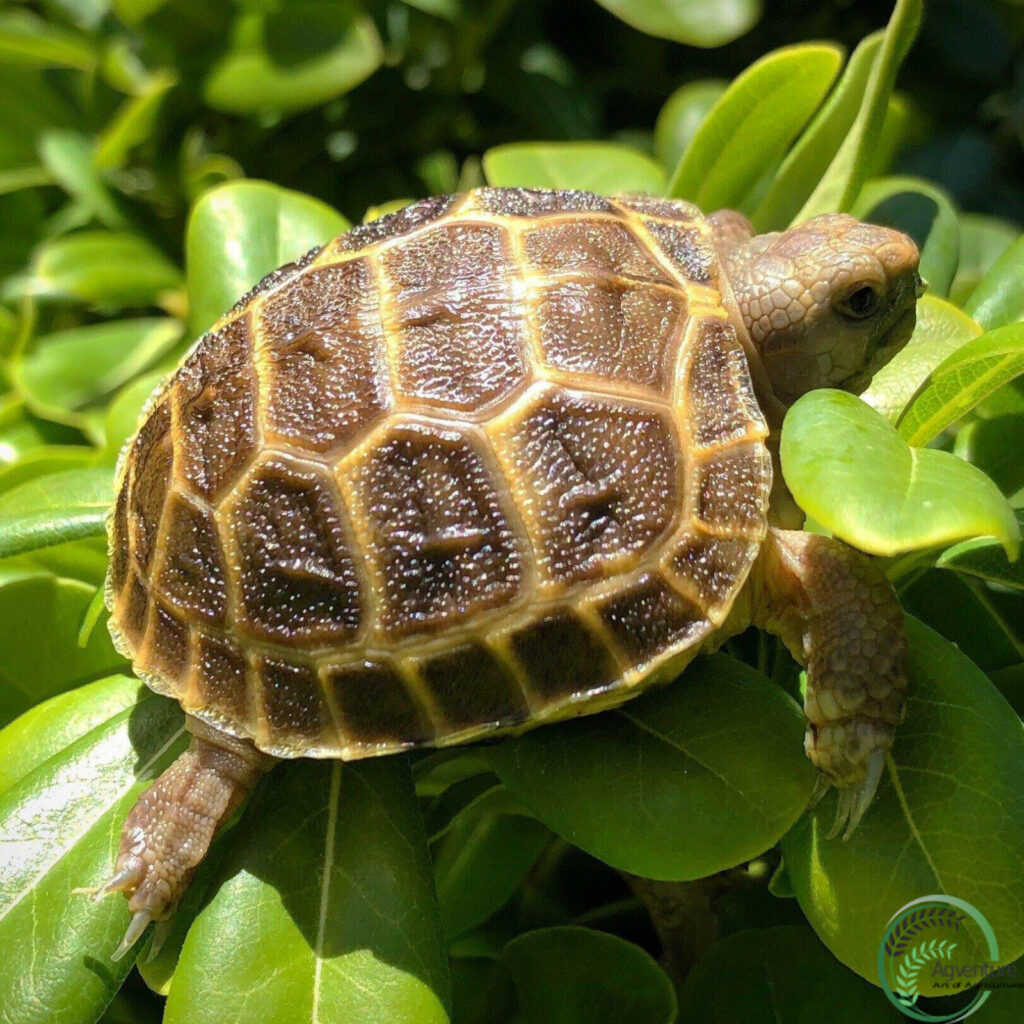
column 489, row 461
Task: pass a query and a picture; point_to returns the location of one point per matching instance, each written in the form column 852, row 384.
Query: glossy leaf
column 999, row 297
column 708, row 23
column 55, row 508
column 479, row 864
column 851, row 472
column 240, row 232
column 948, row 817
column 299, row 56
column 986, row 560
column 806, row 163
column 68, row 156
column 600, row 167
column 325, row 909
column 941, row 330
column 682, row 115
column 983, row 240
column 580, row 976
column 924, row 212
column 769, row 975
column 70, row 370
column 753, row 123
column 103, row 268
column 45, row 730
column 840, row 184
column 42, row 613
column 962, row 380
column 680, row 783
column 59, row 828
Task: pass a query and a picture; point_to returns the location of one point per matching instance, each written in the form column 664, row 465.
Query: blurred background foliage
column 117, row 120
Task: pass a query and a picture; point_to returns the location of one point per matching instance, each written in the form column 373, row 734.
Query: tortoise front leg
column 170, row 829
column 840, row 618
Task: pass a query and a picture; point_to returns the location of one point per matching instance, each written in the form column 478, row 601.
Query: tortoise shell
column 489, row 461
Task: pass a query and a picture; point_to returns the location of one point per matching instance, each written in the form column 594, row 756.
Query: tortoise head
column 827, row 303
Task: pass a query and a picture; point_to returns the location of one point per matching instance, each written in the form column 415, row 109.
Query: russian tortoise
column 490, row 461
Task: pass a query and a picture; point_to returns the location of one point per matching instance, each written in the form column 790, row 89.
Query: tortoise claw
column 138, row 924
column 854, row 801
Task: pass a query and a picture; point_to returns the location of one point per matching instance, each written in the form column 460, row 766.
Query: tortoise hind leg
column 839, row 617
column 170, row 829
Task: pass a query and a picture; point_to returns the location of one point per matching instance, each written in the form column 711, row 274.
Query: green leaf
column 680, row 783
column 68, row 156
column 600, row 167
column 133, row 123
column 683, row 113
column 103, row 268
column 32, row 42
column 924, row 212
column 840, row 184
column 70, row 370
column 753, row 123
column 994, row 445
column 240, row 232
column 807, row 161
column 999, row 298
column 985, row 559
column 45, row 730
column 325, row 909
column 300, row 56
column 122, row 419
column 851, row 472
column 948, row 818
column 580, row 976
column 971, row 373
column 56, row 508
column 41, row 613
column 59, row 826
column 941, row 330
column 982, row 241
column 768, row 975
column 480, row 862
column 708, row 23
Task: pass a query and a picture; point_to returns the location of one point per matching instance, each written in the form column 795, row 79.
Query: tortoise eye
column 861, row 303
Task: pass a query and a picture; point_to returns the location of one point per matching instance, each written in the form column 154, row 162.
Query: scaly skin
column 839, row 617
column 170, row 829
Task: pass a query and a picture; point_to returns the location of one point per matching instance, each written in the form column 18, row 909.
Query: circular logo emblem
column 932, row 947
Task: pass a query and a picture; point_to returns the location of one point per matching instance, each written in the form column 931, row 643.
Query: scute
column 492, row 460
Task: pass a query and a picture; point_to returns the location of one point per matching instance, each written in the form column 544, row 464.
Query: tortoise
column 491, row 461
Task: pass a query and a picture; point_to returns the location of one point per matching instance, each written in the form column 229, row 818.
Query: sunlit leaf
column 681, row 116
column 56, row 508
column 580, row 976
column 45, row 730
column 326, row 908
column 809, row 158
column 753, row 123
column 941, row 330
column 242, row 231
column 851, row 472
column 999, row 297
column 983, row 240
column 600, row 167
column 285, row 60
column 104, row 268
column 962, row 380
column 840, row 184
column 948, row 818
column 680, row 783
column 70, row 370
column 58, row 829
column 708, row 23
